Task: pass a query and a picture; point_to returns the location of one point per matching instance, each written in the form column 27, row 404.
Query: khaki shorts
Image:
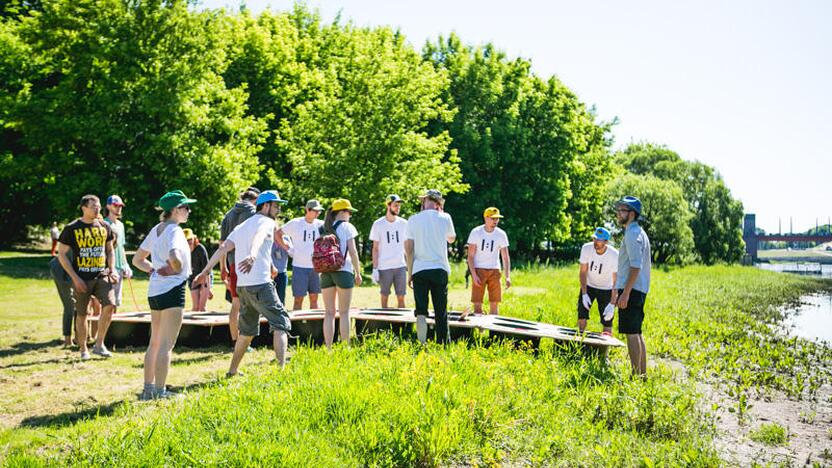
column 489, row 278
column 99, row 287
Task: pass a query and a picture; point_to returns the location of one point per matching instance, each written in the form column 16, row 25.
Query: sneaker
column 102, row 351
column 167, row 395
column 229, row 375
column 249, row 349
column 606, row 333
column 85, row 356
column 146, row 395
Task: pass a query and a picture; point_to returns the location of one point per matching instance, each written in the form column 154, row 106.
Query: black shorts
column 602, row 297
column 631, row 318
column 173, row 298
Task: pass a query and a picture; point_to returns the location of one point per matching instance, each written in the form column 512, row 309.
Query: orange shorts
column 489, row 278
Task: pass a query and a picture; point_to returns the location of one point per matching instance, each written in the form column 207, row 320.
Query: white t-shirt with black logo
column 488, row 246
column 242, row 236
column 303, row 236
column 601, row 267
column 390, row 237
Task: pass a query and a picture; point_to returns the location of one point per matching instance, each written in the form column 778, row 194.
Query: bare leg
column 384, row 300
column 171, row 322
column 281, row 341
column 478, row 307
column 195, row 299
column 153, row 346
column 344, row 299
column 329, row 316
column 494, row 308
column 234, row 319
column 298, row 303
column 637, row 353
column 401, row 302
column 104, row 325
column 582, row 325
column 313, row 301
column 239, row 351
column 81, row 332
column 202, row 299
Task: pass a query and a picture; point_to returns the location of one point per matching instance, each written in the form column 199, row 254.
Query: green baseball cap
column 173, row 199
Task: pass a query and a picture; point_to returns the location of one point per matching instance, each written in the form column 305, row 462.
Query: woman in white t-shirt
column 340, row 282
column 169, row 268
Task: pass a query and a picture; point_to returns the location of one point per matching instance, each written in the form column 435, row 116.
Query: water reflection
column 812, row 319
column 805, row 268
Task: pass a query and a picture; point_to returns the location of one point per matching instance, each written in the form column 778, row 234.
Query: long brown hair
column 329, row 220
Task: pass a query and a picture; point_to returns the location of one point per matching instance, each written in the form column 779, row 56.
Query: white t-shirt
column 159, row 246
column 601, row 267
column 242, row 236
column 429, row 230
column 345, row 232
column 390, row 237
column 488, row 246
column 303, row 236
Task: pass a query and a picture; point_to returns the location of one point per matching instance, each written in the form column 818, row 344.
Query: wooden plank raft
column 200, row 329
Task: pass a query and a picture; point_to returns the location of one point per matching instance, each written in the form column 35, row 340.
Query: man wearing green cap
column 253, row 241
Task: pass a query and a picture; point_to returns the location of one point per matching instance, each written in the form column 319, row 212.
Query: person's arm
column 278, row 236
column 140, row 261
column 408, row 254
column 506, row 265
column 636, row 254
column 127, row 271
column 472, row 252
column 375, row 254
column 614, row 298
column 582, row 276
column 356, row 265
column 225, row 247
column 63, row 259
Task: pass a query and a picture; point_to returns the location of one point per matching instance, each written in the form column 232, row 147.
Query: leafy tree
column 717, row 220
column 667, row 215
column 126, row 97
column 519, row 139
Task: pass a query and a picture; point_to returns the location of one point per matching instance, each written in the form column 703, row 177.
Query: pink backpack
column 326, row 252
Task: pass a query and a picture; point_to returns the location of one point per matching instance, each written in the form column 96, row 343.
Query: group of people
column 254, row 254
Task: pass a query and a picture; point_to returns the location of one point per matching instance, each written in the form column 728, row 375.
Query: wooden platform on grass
column 201, row 329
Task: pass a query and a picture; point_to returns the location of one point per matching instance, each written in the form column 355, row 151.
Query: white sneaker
column 85, row 356
column 102, row 351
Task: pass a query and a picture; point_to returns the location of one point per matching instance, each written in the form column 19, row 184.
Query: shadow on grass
column 26, row 267
column 27, row 346
column 34, row 363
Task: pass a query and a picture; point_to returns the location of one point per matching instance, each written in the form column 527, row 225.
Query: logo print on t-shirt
column 395, row 237
column 491, row 245
column 592, row 266
column 310, row 234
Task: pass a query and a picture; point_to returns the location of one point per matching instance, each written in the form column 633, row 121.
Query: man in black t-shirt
column 90, row 269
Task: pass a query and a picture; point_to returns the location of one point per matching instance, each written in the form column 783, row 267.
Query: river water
column 812, row 319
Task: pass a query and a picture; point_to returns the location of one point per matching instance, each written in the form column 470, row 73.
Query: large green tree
column 519, row 139
column 717, row 215
column 348, row 110
column 108, row 96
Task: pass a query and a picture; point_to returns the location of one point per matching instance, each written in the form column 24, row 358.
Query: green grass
column 388, row 402
column 771, row 434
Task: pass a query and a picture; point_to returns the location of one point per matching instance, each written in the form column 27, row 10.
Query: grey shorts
column 101, row 288
column 396, row 277
column 261, row 300
column 305, row 281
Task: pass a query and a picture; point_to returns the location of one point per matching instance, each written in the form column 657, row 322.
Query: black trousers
column 435, row 283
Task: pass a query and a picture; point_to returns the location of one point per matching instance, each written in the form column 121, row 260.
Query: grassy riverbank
column 388, row 402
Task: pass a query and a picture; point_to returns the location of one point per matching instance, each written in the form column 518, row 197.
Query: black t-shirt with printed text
column 88, row 244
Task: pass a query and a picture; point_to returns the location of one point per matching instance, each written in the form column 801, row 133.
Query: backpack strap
column 334, row 228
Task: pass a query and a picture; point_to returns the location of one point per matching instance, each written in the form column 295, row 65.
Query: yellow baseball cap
column 189, row 233
column 342, row 204
column 492, row 212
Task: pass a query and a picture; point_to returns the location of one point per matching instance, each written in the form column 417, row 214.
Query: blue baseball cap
column 631, row 202
column 601, row 233
column 115, row 200
column 269, row 196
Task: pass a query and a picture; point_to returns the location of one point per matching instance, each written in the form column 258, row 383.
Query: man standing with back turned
column 633, row 280
column 426, row 246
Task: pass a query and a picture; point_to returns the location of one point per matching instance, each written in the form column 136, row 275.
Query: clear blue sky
column 741, row 85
